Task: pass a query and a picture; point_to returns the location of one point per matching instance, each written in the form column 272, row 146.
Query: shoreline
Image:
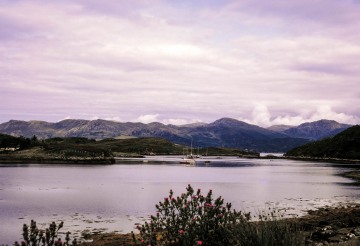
column 56, row 161
column 354, row 175
column 324, row 226
column 319, row 159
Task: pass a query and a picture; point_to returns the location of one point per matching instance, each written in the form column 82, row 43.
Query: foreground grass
column 196, row 219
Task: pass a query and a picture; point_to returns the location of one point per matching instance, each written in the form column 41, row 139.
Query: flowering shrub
column 33, row 236
column 191, row 219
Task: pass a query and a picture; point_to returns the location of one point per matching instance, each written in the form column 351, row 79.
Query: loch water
column 115, row 197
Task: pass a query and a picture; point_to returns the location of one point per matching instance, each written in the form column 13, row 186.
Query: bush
column 33, row 236
column 195, row 219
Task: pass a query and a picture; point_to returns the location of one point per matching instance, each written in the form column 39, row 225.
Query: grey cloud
column 328, row 68
column 332, row 11
column 11, row 29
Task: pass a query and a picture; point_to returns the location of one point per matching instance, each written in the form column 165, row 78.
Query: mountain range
column 225, row 132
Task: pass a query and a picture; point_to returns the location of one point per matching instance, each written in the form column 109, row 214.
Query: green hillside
column 345, row 145
column 79, row 147
column 142, row 146
column 7, row 141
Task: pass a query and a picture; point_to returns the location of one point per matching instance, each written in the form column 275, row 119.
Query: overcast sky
column 180, row 61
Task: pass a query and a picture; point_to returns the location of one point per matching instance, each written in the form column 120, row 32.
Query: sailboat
column 189, row 159
column 198, row 153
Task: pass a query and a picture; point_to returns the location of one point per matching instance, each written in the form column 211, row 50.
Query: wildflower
column 181, row 232
column 199, row 243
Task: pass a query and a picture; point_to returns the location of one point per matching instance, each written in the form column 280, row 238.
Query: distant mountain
column 345, row 145
column 225, row 132
column 194, row 124
column 232, row 133
column 279, row 128
column 311, row 130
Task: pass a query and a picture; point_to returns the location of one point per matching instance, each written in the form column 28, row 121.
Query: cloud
column 148, row 118
column 183, row 60
column 262, row 116
column 178, row 121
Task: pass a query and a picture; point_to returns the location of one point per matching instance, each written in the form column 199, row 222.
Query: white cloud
column 95, row 118
column 325, row 112
column 66, row 118
column 114, row 118
column 261, row 116
column 148, row 118
column 178, row 121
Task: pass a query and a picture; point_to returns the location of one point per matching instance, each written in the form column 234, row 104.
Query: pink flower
column 142, row 240
column 199, row 243
column 181, row 232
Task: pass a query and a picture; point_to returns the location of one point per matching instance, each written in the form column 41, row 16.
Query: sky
column 181, row 61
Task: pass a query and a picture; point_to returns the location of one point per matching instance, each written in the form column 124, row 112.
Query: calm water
column 114, row 197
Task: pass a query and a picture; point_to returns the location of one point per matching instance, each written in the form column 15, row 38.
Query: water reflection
column 116, row 196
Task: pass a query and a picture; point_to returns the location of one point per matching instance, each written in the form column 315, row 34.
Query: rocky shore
column 325, row 226
column 332, row 226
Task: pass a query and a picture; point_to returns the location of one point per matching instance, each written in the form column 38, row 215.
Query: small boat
column 187, row 161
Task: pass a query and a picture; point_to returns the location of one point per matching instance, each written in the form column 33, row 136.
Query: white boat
column 189, row 159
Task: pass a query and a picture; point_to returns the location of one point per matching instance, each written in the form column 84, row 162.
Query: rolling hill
column 345, row 145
